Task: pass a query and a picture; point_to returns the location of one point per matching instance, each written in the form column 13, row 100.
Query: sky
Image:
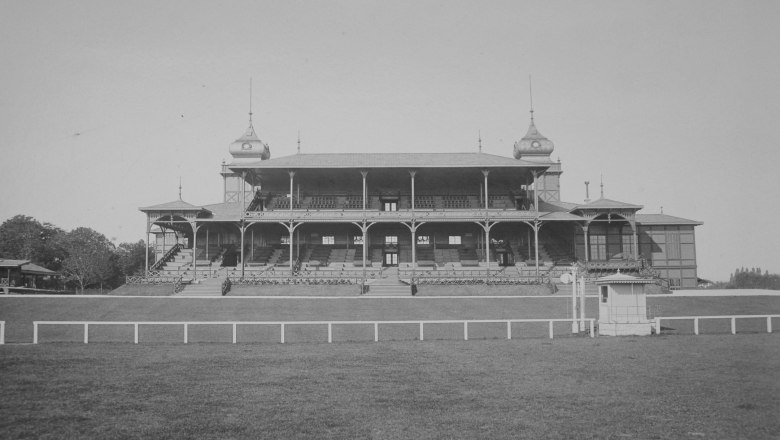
column 105, row 105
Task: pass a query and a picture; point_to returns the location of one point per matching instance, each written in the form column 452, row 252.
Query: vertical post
column 282, row 333
column 207, row 242
column 536, row 245
column 581, row 288
column 291, row 229
column 243, row 230
column 365, row 245
column 365, row 195
column 86, row 333
column 330, row 332
column 421, row 330
column 413, row 229
column 636, row 241
column 574, row 328
column 465, row 330
column 487, row 252
column 412, row 173
column 2, row 332
column 185, row 333
column 551, row 329
column 657, row 325
column 509, row 329
column 536, row 197
column 695, row 326
column 485, row 173
column 35, row 332
column 733, row 325
column 769, row 324
column 592, row 334
column 587, row 245
column 146, row 254
column 194, row 226
column 376, row 332
column 234, row 332
column 135, row 333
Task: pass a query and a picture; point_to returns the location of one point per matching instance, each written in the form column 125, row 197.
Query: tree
column 131, row 257
column 90, row 258
column 24, row 238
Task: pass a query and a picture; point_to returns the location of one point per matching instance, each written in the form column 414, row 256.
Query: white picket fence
column 283, row 324
column 733, row 319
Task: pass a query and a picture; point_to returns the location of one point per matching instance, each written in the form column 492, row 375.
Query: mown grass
column 659, row 387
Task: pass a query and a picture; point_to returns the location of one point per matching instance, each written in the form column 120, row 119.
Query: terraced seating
column 354, row 202
column 456, row 202
column 423, row 202
column 321, row 202
column 321, row 254
column 468, row 257
column 261, row 255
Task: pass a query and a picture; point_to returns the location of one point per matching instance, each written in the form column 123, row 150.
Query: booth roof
column 34, row 269
column 389, row 160
column 621, row 278
column 12, row 263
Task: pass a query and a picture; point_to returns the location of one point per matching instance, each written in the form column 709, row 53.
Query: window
column 391, row 239
column 423, row 239
column 389, row 205
column 454, row 239
column 328, row 239
column 604, row 294
column 598, row 247
column 285, row 239
column 357, row 239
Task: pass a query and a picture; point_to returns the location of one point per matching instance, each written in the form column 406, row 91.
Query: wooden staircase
column 205, row 287
column 388, row 285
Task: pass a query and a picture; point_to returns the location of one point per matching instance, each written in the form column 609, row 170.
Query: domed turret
column 249, row 146
column 534, row 146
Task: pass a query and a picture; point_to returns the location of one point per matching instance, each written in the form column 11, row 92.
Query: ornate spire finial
column 299, row 141
column 250, row 100
column 531, row 94
column 587, row 193
column 179, row 187
column 602, row 186
column 480, row 140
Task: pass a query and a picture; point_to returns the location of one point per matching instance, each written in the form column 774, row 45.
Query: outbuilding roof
column 621, row 278
column 389, row 160
column 176, row 205
column 603, row 203
column 34, row 269
column 6, row 263
column 663, row 219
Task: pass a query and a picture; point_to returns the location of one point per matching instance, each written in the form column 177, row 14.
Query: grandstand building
column 425, row 212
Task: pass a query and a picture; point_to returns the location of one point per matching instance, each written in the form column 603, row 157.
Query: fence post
column 769, row 324
column 509, row 329
column 330, row 332
column 376, row 332
column 657, row 325
column 2, row 332
column 185, row 332
column 695, row 326
column 551, row 329
column 234, row 332
column 86, row 333
column 465, row 330
column 35, row 332
column 282, row 333
column 421, row 330
column 592, row 331
column 733, row 325
column 135, row 333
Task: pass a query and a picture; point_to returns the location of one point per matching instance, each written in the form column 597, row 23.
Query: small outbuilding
column 22, row 274
column 623, row 305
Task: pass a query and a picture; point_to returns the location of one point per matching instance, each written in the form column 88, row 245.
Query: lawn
column 668, row 387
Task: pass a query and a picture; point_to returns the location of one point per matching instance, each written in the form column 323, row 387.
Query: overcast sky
column 105, row 105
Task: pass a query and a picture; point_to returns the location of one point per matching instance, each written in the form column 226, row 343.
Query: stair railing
column 167, row 257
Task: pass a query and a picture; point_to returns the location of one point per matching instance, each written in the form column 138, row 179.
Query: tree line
column 750, row 278
column 84, row 257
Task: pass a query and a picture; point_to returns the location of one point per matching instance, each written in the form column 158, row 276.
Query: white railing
column 282, row 325
column 733, row 319
column 2, row 332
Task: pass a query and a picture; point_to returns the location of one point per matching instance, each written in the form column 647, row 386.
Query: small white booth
column 623, row 305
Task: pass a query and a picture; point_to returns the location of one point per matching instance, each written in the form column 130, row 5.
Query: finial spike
column 299, row 141
column 531, row 94
column 250, row 100
column 480, row 140
column 179, row 187
column 602, row 186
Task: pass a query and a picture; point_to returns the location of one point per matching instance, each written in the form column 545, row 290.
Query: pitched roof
column 663, row 219
column 176, row 205
column 621, row 278
column 12, row 263
column 556, row 206
column 224, row 211
column 34, row 269
column 389, row 160
column 603, row 203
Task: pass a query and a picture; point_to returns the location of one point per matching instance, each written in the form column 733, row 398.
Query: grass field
column 668, row 387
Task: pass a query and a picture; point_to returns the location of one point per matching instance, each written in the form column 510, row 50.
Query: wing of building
column 433, row 211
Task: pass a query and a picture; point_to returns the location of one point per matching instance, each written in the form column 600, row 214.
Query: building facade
column 424, row 211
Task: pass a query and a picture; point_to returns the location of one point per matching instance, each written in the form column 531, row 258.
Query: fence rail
column 282, row 325
column 733, row 319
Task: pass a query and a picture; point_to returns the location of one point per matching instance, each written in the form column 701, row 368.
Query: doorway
column 390, row 259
